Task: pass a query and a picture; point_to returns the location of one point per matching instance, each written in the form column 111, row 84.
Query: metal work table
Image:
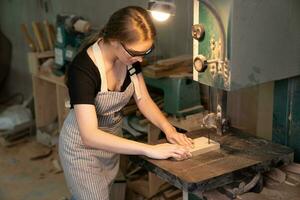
column 240, row 153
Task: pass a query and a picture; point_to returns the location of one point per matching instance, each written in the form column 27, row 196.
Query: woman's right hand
column 167, row 150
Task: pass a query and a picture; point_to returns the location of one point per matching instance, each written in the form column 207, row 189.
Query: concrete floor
column 24, row 179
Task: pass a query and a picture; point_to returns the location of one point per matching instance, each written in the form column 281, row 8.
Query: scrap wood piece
column 293, row 167
column 276, row 175
column 292, row 179
column 42, row 155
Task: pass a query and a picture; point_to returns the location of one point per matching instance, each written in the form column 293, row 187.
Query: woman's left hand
column 180, row 139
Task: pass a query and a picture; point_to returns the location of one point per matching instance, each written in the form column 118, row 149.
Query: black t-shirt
column 84, row 81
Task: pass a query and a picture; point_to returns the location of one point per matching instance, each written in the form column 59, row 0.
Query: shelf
column 60, row 80
column 49, row 91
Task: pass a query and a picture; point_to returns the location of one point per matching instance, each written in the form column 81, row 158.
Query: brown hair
column 127, row 25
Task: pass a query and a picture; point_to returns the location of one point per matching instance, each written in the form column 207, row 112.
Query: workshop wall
column 174, row 36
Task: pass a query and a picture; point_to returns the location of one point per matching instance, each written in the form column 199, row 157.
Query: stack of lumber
column 172, row 66
column 43, row 36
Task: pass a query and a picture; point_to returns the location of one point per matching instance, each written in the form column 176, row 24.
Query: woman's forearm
column 151, row 111
column 93, row 137
column 105, row 141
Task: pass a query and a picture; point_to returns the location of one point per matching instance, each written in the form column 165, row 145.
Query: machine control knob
column 198, row 32
column 200, row 63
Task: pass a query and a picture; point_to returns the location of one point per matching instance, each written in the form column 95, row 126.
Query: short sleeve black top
column 84, row 81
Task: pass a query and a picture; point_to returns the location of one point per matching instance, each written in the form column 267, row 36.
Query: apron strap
column 100, row 65
column 135, row 81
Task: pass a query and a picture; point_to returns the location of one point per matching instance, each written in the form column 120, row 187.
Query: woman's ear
column 114, row 43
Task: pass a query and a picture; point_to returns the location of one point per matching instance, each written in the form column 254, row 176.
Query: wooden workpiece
column 203, row 145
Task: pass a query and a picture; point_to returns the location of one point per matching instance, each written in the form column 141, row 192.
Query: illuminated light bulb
column 160, row 16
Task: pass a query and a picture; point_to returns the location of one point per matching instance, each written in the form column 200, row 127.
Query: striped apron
column 89, row 172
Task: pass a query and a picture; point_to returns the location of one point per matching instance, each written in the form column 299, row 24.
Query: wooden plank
column 45, row 54
column 155, row 72
column 202, row 146
column 28, row 38
column 171, row 66
column 189, row 123
column 48, row 34
column 52, row 33
column 38, row 35
column 186, row 60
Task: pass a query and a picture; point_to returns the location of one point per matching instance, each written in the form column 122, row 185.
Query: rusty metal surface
column 239, row 153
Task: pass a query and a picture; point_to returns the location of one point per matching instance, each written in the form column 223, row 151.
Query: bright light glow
column 160, row 16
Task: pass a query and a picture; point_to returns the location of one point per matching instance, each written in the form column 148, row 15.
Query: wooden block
column 156, row 72
column 202, row 146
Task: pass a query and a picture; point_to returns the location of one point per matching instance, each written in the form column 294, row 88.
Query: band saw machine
column 233, row 48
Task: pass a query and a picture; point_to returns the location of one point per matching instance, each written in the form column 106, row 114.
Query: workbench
column 240, row 153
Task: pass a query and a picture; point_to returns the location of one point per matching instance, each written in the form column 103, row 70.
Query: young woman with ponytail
column 101, row 80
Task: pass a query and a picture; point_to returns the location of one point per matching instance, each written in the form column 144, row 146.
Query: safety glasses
column 137, row 53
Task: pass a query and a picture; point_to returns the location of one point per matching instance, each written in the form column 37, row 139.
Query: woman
column 101, row 80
